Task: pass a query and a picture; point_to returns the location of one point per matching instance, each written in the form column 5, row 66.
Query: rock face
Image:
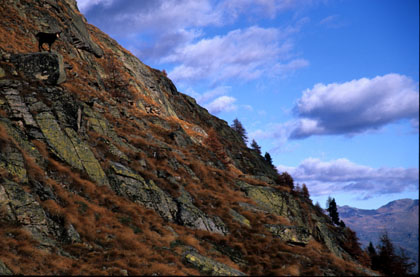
column 106, row 168
column 45, row 67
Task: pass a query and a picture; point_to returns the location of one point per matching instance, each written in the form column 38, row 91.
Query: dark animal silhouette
column 46, row 38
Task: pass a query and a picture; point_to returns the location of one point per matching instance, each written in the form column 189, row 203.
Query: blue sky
column 329, row 88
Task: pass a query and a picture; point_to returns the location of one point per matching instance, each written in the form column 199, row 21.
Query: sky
column 330, row 88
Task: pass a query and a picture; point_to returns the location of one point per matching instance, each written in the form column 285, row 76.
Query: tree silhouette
column 388, row 262
column 374, row 258
column 256, row 147
column 237, row 126
column 268, row 159
column 332, row 210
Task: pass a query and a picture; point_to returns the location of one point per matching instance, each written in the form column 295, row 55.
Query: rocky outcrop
column 190, row 215
column 274, row 201
column 292, row 234
column 129, row 184
column 208, row 266
column 21, row 208
column 44, row 67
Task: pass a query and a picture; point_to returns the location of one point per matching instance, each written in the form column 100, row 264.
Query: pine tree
column 332, row 210
column 256, row 147
column 237, row 126
column 374, row 258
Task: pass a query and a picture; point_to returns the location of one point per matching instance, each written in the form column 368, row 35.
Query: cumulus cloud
column 222, row 104
column 356, row 106
column 342, row 175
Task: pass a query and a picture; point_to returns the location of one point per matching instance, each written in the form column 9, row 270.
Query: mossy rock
column 71, row 148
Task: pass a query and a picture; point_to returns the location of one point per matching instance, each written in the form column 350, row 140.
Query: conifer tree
column 268, row 159
column 374, row 258
column 256, row 147
column 237, row 126
column 332, row 210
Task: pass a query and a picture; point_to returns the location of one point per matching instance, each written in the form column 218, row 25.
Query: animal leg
column 40, row 47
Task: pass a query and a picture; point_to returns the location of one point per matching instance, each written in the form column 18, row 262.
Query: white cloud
column 342, row 175
column 356, row 106
column 222, row 104
column 243, row 53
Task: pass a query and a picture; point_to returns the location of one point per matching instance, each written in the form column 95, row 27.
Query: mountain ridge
column 399, row 218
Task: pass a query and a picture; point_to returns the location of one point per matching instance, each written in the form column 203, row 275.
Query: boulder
column 45, row 67
column 298, row 235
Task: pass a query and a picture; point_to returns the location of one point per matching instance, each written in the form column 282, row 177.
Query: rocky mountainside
column 105, row 168
column 400, row 218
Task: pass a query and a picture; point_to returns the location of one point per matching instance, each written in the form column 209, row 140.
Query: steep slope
column 105, row 168
column 400, row 218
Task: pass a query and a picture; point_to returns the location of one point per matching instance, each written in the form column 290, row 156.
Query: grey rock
column 71, row 235
column 22, row 208
column 79, row 36
column 45, row 67
column 4, row 270
column 191, row 216
column 127, row 183
column 292, row 234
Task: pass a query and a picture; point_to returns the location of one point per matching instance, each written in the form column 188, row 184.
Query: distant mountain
column 400, row 218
